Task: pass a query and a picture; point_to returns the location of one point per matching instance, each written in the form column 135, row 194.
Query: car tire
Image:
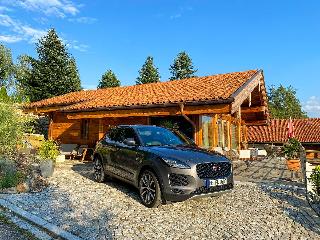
column 149, row 189
column 99, row 174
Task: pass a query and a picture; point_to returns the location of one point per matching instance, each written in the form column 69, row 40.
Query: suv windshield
column 157, row 136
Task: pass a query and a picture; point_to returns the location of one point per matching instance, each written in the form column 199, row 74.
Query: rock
column 23, row 187
column 11, row 190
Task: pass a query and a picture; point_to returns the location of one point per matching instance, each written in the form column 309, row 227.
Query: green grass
column 6, row 221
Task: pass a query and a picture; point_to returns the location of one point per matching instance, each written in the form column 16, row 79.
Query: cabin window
column 207, row 131
column 84, row 129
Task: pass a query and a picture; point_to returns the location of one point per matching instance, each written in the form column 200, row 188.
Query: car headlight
column 175, row 163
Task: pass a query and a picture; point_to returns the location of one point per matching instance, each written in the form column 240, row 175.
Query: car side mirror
column 129, row 142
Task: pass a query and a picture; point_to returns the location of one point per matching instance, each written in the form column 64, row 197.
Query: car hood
column 185, row 154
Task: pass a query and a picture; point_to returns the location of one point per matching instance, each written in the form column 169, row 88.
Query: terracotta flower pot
column 293, row 164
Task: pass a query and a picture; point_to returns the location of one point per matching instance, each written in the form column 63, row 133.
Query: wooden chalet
column 213, row 110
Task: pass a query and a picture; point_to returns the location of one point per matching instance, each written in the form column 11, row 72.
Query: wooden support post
column 148, row 121
column 199, row 135
column 239, row 130
column 229, row 133
column 215, row 130
column 239, row 134
column 50, row 127
column 101, row 130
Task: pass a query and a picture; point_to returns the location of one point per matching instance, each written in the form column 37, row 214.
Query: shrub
column 12, row 127
column 291, row 148
column 48, row 150
column 315, row 179
column 11, row 179
column 9, row 176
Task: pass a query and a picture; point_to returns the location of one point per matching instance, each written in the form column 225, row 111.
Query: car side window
column 113, row 135
column 118, row 135
column 129, row 133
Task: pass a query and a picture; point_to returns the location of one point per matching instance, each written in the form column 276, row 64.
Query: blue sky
column 280, row 37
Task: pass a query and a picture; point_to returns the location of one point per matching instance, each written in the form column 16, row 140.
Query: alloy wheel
column 147, row 188
column 98, row 170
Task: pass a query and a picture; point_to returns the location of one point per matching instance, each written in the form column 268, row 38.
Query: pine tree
column 108, row 80
column 148, row 73
column 182, row 67
column 54, row 72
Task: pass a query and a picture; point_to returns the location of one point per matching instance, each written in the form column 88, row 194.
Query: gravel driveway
column 112, row 210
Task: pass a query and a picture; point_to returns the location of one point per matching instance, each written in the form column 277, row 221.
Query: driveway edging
column 54, row 229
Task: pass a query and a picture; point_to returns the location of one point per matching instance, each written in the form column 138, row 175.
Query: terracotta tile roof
column 217, row 87
column 305, row 130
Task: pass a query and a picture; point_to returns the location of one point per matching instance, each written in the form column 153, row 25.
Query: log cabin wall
column 212, row 130
column 85, row 131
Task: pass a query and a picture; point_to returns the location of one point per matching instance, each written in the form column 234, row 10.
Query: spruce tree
column 108, row 80
column 54, row 72
column 148, row 73
column 182, row 67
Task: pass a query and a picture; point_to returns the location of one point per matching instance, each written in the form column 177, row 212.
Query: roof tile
column 305, row 130
column 214, row 87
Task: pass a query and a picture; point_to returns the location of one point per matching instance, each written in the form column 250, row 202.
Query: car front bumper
column 196, row 187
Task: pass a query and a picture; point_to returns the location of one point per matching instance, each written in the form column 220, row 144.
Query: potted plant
column 315, row 179
column 291, row 152
column 48, row 153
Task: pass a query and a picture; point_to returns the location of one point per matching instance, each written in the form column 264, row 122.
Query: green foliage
column 109, row 79
column 4, row 97
column 9, row 176
column 11, row 179
column 169, row 124
column 291, row 148
column 315, row 179
column 12, row 126
column 283, row 103
column 148, row 73
column 6, row 66
column 48, row 150
column 182, row 67
column 53, row 73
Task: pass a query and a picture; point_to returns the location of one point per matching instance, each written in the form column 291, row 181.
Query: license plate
column 216, row 182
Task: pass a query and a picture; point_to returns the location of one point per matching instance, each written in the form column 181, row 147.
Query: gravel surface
column 112, row 210
column 10, row 231
column 267, row 169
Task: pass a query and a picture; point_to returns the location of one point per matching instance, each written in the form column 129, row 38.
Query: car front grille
column 178, row 179
column 213, row 170
column 204, row 190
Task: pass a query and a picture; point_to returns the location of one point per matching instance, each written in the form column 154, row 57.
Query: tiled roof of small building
column 216, row 87
column 305, row 130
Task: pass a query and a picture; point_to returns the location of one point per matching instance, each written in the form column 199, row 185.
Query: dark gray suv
column 164, row 166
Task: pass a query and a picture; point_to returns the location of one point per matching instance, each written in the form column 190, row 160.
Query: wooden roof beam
column 257, row 122
column 145, row 112
column 258, row 109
